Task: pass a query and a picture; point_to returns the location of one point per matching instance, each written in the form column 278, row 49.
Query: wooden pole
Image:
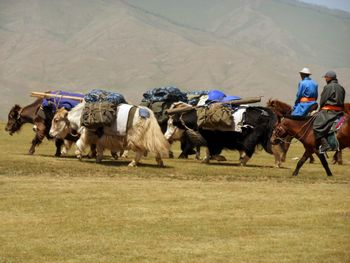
column 232, row 102
column 243, row 101
column 48, row 95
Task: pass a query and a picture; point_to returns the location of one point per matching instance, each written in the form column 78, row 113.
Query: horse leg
column 312, row 159
column 337, row 158
column 277, row 153
column 137, row 158
column 285, row 146
column 300, row 163
column 324, row 163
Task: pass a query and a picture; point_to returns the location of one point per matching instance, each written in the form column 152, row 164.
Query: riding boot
column 324, row 147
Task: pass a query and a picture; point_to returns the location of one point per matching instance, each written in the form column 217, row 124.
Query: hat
column 305, row 71
column 330, row 74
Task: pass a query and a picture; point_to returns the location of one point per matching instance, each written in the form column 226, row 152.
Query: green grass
column 62, row 210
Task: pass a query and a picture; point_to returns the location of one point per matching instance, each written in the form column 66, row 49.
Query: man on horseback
column 307, row 94
column 331, row 107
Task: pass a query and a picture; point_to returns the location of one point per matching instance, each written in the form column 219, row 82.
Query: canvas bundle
column 98, row 114
column 216, row 116
column 159, row 108
column 98, row 95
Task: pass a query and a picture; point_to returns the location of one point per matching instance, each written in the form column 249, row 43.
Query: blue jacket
column 307, row 88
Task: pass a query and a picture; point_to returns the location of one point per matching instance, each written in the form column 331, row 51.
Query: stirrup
column 323, row 150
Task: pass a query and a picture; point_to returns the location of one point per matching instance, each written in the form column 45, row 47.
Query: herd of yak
column 141, row 131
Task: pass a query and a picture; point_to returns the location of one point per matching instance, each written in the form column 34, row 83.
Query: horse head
column 60, row 126
column 278, row 134
column 14, row 122
column 280, row 108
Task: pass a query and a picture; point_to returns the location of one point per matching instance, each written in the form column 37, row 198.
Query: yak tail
column 149, row 136
column 272, row 121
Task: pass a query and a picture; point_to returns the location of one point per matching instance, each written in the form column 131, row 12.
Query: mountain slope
column 245, row 48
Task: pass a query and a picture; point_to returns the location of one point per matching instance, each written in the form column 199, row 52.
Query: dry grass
column 62, row 210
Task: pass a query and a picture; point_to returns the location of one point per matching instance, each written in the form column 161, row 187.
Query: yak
column 259, row 123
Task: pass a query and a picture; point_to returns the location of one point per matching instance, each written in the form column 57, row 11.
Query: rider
column 307, row 94
column 331, row 107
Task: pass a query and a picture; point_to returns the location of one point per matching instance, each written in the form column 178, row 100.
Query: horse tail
column 148, row 135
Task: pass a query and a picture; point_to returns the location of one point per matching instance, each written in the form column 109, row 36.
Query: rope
column 306, row 124
column 183, row 123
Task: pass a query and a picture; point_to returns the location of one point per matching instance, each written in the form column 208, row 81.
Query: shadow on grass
column 123, row 163
column 248, row 165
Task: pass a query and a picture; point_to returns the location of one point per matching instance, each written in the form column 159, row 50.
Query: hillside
column 244, row 48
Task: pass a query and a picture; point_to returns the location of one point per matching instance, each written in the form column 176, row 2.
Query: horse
column 283, row 109
column 143, row 135
column 30, row 114
column 261, row 122
column 301, row 129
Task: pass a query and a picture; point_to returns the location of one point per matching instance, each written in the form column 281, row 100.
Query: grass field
column 62, row 210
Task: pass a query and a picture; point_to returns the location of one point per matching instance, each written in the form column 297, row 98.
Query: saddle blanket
column 238, row 115
column 120, row 125
column 332, row 135
column 339, row 123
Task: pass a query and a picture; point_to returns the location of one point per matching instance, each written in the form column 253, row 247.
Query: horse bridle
column 305, row 126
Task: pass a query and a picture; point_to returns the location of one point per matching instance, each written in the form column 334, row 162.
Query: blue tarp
column 56, row 103
column 219, row 96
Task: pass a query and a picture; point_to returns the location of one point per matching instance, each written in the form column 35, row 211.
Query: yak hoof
column 132, row 164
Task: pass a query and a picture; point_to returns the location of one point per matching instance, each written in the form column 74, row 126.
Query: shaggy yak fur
column 144, row 135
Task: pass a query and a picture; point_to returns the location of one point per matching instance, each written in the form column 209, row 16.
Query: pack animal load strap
column 216, row 116
column 98, row 114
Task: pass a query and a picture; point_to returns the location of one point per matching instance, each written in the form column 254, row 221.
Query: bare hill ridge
column 242, row 47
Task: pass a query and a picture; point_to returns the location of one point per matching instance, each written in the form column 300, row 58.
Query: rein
column 305, row 126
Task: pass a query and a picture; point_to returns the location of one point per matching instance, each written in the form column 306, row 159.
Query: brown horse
column 282, row 109
column 29, row 114
column 301, row 129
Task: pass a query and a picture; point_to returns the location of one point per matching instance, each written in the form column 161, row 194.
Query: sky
column 335, row 4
